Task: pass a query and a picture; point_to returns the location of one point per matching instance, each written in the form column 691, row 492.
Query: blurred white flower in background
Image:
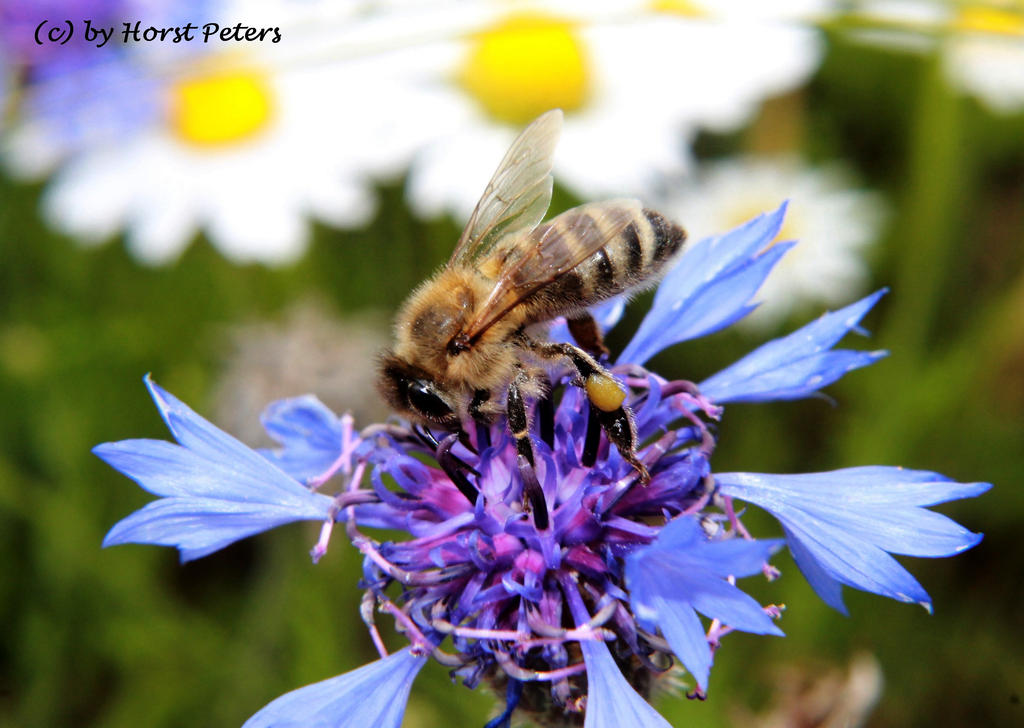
column 636, row 80
column 900, row 25
column 981, row 43
column 833, row 221
column 246, row 154
column 247, row 141
column 985, row 55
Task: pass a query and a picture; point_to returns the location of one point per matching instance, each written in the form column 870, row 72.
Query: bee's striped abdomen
column 668, row 238
column 640, row 242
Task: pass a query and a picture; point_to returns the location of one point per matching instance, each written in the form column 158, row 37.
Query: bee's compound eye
column 424, row 400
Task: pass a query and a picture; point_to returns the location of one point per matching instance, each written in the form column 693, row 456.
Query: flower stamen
column 408, row 626
column 523, row 640
column 523, row 674
column 344, row 460
column 367, row 606
column 347, row 500
column 734, row 521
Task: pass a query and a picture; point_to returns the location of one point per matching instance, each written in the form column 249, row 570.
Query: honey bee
column 470, row 342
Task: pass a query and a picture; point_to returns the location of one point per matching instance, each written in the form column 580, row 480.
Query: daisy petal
column 372, row 696
column 611, row 701
column 796, row 365
column 710, row 287
column 842, row 525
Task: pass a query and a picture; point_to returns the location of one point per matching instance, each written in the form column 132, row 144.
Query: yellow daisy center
column 677, row 7
column 221, row 107
column 994, row 21
column 525, row 65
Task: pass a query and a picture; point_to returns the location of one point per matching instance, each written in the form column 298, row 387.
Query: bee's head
column 412, row 392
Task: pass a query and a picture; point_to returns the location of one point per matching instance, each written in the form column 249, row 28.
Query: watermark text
column 60, row 32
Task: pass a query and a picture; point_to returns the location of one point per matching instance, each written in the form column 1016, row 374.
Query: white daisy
column 635, row 80
column 831, row 219
column 246, row 157
column 247, row 144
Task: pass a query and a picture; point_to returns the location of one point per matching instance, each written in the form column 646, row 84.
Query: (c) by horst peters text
column 50, row 32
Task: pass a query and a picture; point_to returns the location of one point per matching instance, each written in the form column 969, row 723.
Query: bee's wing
column 549, row 252
column 518, row 194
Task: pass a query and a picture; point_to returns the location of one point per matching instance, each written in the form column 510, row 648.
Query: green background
column 127, row 637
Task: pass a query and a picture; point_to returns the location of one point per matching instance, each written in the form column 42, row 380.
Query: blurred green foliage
column 129, row 637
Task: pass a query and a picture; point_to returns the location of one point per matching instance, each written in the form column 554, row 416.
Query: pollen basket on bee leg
column 604, row 392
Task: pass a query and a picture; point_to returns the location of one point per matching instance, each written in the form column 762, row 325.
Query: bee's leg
column 587, row 334
column 519, row 425
column 592, row 440
column 518, row 421
column 621, row 430
column 606, row 399
column 546, row 413
column 466, row 442
column 480, row 398
column 482, row 419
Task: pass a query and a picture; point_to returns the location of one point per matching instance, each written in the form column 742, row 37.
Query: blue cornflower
column 481, row 587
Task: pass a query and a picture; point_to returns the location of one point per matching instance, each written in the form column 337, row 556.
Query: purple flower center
column 499, row 572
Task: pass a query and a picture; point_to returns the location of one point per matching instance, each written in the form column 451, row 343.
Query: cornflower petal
column 611, row 700
column 681, row 573
column 312, row 437
column 842, row 525
column 215, row 489
column 796, row 365
column 372, row 696
column 711, row 286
